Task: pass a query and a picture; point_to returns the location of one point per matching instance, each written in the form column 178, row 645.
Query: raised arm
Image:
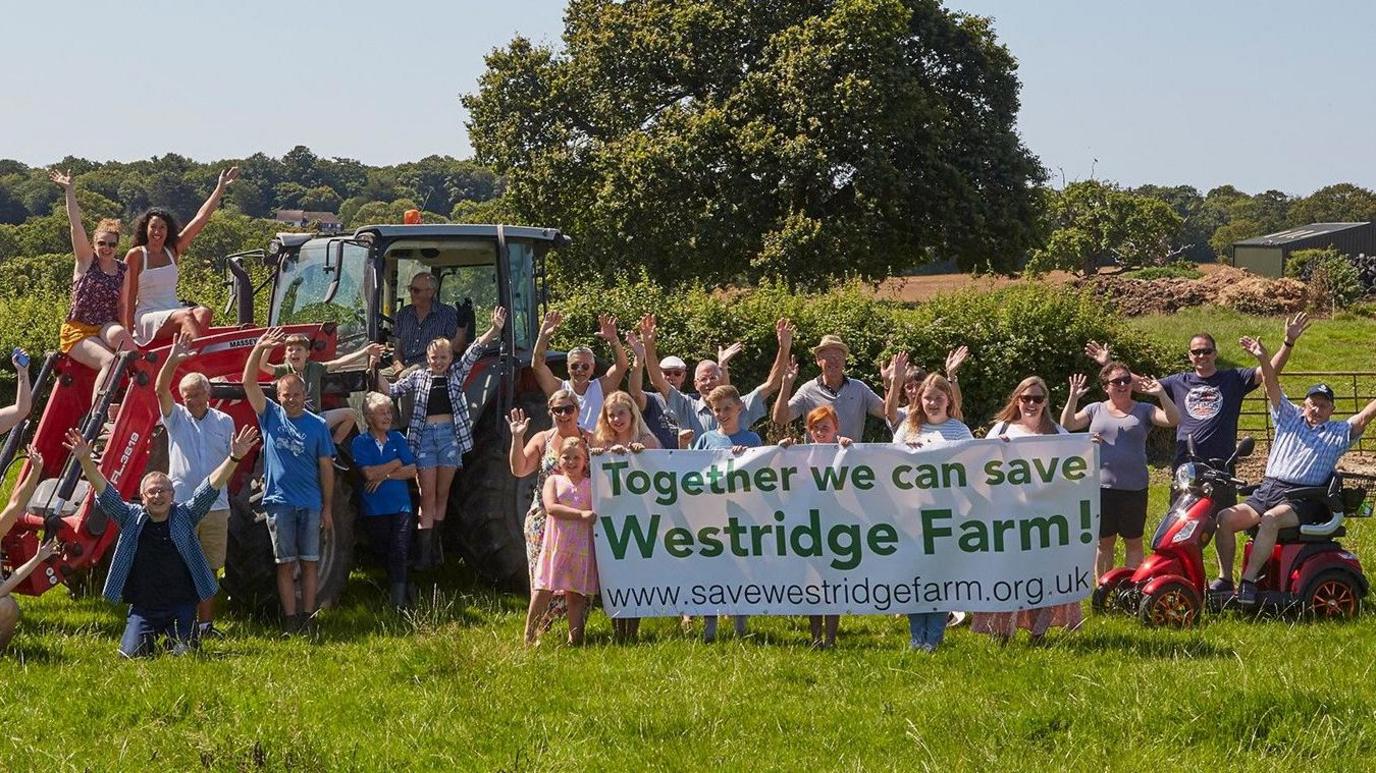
column 270, row 340
column 181, row 352
column 954, row 359
column 23, row 397
column 362, row 354
column 635, row 385
column 1101, row 355
column 1256, row 348
column 1165, row 414
column 1072, row 418
column 81, row 243
column 606, row 329
column 725, row 354
column 524, row 457
column 129, row 291
column 898, row 367
column 1358, row 421
column 45, row 551
column 207, row 209
column 549, row 383
column 19, row 498
column 780, row 413
column 82, row 451
column 647, row 337
column 1294, row 328
column 783, row 355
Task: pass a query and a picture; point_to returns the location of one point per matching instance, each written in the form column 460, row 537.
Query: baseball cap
column 1323, row 390
column 672, row 362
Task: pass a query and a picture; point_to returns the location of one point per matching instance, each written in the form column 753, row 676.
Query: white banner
column 983, row 525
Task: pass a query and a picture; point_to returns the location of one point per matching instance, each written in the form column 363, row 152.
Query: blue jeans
column 145, row 626
column 439, row 446
column 295, row 533
column 927, row 629
column 709, row 626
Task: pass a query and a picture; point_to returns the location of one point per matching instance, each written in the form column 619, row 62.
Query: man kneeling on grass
column 158, row 567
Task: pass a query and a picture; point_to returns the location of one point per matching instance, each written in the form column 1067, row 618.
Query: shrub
column 1333, row 283
column 1011, row 332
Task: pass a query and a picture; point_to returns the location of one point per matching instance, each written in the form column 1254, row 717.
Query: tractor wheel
column 1172, row 604
column 337, row 544
column 250, row 569
column 1333, row 595
column 487, row 505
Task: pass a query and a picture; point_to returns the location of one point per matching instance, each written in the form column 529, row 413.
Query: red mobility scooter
column 1308, row 572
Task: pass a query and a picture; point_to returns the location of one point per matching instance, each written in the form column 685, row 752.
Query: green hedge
column 1012, row 333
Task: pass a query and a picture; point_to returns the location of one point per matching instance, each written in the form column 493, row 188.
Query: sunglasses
column 674, row 372
column 580, row 366
column 1121, row 381
column 1201, row 352
column 1035, row 399
column 418, row 289
column 563, row 410
column 111, row 245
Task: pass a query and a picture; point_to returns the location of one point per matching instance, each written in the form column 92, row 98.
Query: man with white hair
column 158, row 567
column 198, row 439
column 423, row 320
column 587, row 390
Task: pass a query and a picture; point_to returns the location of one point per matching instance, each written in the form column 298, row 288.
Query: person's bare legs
column 9, row 620
column 1230, row 522
column 1133, row 554
column 1281, row 516
column 1103, row 557
column 340, row 421
column 578, row 616
column 93, row 353
column 444, row 480
column 539, row 604
column 286, row 587
column 309, row 574
column 426, row 481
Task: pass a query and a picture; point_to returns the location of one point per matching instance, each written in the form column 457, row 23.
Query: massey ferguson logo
column 238, row 343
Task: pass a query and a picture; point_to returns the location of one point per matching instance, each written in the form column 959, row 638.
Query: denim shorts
column 295, row 533
column 438, row 446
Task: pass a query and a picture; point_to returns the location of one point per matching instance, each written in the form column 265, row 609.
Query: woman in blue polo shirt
column 386, row 463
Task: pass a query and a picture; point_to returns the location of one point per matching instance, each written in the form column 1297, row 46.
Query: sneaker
column 1247, row 593
column 292, row 624
column 1221, row 585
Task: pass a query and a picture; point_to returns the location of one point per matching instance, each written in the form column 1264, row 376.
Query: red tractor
column 342, row 291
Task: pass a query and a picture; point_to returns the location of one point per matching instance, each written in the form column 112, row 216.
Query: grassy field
column 450, row 687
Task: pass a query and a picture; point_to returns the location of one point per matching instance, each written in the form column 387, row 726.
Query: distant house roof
column 1299, row 233
column 301, row 215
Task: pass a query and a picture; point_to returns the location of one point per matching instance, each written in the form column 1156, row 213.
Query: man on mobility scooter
column 1295, row 489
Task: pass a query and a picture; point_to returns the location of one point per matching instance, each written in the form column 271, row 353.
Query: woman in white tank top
column 150, row 286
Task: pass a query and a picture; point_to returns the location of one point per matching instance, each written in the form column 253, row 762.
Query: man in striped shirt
column 1305, row 453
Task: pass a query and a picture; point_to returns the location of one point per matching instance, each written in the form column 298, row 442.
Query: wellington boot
column 425, row 550
column 398, row 598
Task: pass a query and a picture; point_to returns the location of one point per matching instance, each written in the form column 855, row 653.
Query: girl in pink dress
column 567, row 563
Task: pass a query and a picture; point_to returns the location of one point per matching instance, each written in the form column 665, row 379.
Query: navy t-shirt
column 657, row 419
column 159, row 577
column 1209, row 409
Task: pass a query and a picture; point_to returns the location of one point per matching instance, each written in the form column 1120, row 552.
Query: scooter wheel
column 1172, row 604
column 1333, row 595
column 1106, row 600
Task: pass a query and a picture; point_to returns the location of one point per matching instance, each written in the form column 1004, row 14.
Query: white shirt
column 195, row 447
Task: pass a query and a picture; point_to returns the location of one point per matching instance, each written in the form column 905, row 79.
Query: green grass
column 450, row 687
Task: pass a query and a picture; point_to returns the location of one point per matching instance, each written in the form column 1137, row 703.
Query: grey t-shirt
column 1123, row 452
column 852, row 403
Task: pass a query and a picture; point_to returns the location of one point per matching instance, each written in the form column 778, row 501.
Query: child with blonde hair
column 567, row 562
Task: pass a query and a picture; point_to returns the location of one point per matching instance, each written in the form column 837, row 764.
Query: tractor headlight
column 1186, row 476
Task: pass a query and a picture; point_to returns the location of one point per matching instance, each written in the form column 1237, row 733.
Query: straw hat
column 831, row 342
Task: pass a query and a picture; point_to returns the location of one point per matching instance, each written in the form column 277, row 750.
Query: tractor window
column 521, row 270
column 303, row 284
column 465, row 269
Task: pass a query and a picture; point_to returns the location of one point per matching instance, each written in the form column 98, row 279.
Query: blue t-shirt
column 292, row 450
column 1209, row 409
column 657, row 419
column 392, row 496
column 716, row 439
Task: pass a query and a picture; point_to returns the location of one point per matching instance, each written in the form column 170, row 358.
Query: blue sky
column 1257, row 94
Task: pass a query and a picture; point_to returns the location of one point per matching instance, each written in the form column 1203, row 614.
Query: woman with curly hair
column 151, row 307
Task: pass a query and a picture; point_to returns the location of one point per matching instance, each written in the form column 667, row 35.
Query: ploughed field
column 450, row 686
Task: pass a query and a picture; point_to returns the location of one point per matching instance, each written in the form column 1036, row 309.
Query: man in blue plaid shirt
column 1305, row 453
column 158, row 567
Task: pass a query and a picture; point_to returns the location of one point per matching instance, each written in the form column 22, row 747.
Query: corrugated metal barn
column 1266, row 255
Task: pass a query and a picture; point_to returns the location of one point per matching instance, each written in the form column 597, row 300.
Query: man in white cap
column 851, row 398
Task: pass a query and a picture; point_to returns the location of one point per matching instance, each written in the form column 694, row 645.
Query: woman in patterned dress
column 541, row 455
